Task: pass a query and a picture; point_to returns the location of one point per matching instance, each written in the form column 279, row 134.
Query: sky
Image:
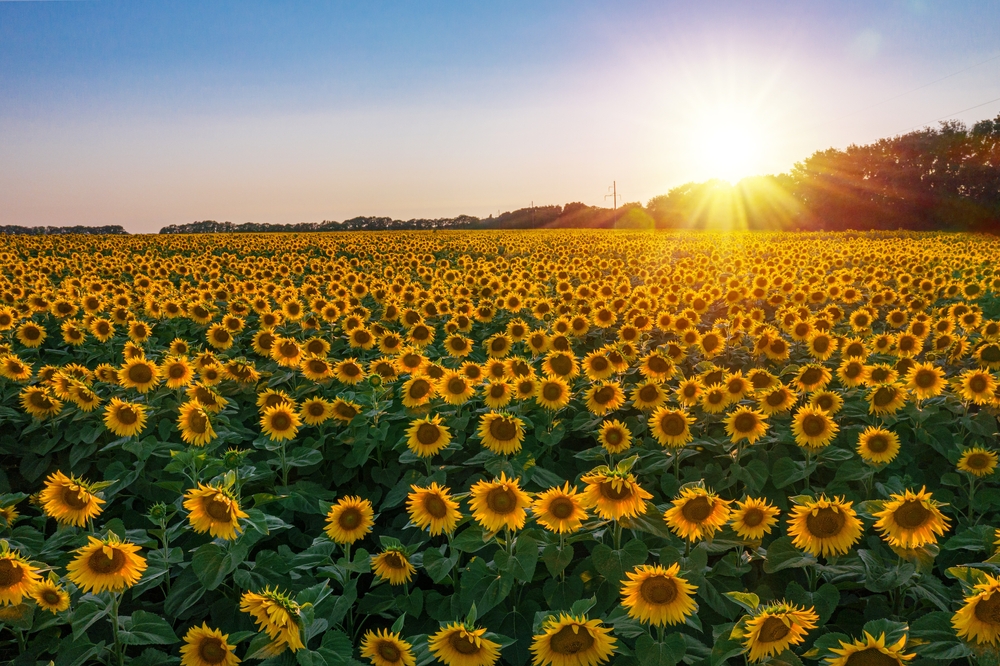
column 155, row 113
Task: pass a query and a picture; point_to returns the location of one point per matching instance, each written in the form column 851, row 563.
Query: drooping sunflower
column 671, row 427
column 71, row 501
column 204, row 646
column 194, row 424
column 349, row 520
column 878, row 446
column 106, row 564
column 213, row 509
column 697, row 513
column 393, row 565
column 911, row 520
column 499, row 504
column 51, row 596
column 17, row 576
column 427, row 436
column 777, row 400
column 559, row 510
column 753, row 518
column 657, row 595
column 870, row 650
column 124, row 419
column 978, row 461
column 824, row 526
column 614, row 495
column 345, row 410
column 746, row 423
column 280, row 422
column 458, row 645
column 501, row 433
column 813, row 428
column 886, row 399
column 140, row 374
column 569, row 640
column 776, row 627
column 386, row 648
column 39, row 402
column 432, row 508
column 614, row 436
column 277, row 614
column 553, row 393
column 979, row 618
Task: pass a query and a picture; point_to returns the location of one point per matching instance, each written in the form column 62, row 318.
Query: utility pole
column 614, row 194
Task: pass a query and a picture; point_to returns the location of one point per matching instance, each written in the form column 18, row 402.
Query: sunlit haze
column 148, row 114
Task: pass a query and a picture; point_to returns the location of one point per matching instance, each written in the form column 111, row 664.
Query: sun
column 727, row 143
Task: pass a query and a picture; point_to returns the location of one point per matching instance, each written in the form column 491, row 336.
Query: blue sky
column 146, row 114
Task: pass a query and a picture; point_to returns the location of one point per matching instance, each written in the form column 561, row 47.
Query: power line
column 952, row 114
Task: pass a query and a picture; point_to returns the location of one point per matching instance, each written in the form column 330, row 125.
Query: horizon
column 152, row 115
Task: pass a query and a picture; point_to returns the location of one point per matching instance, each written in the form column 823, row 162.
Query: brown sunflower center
column 616, row 492
column 457, row 386
column 562, row 508
column 10, row 573
column 878, row 444
column 613, row 436
column 435, row 506
column 825, row 523
column 978, row 461
column 599, row 364
column 503, row 429
column 571, row 639
column 813, row 425
column 393, row 561
column 988, row 609
column 658, row 590
column 497, row 391
column 498, row 345
column 561, row 364
column 871, row 657
column 925, row 379
column 219, row 509
column 673, row 425
column 978, row 384
column 753, row 517
column 221, row 335
column 346, row 411
column 911, row 514
column 280, row 422
column 51, row 597
column 288, row 349
column 776, row 398
column 350, row 369
column 127, row 415
column 745, row 422
column 991, row 353
column 501, row 500
column 463, row 643
column 389, row 652
column 428, row 433
column 100, row 563
column 773, row 629
column 349, row 518
column 31, row 333
column 176, row 371
column 811, row 376
column 552, row 392
column 212, row 650
column 140, row 373
column 821, row 344
column 884, row 396
column 362, row 337
column 648, row 393
column 658, row 365
column 197, row 422
column 318, row 366
column 697, row 510
column 419, row 389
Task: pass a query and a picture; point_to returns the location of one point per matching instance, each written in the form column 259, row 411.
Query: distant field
column 548, row 447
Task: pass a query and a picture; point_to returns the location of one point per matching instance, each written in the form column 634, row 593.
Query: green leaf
column 655, row 653
column 212, row 564
column 303, row 456
column 438, row 566
column 556, row 559
column 747, row 600
column 525, row 558
column 786, row 471
column 144, row 628
column 612, row 564
column 781, row 554
column 85, row 614
column 470, row 539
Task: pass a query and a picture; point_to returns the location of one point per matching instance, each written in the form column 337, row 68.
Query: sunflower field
column 557, row 448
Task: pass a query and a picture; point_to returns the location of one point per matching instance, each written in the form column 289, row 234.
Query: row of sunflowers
column 562, row 448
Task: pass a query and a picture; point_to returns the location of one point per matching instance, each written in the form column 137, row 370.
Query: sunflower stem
column 618, row 535
column 165, row 539
column 284, row 465
column 119, row 649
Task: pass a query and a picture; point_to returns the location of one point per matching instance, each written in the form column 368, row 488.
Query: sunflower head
column 568, row 639
column 753, row 518
column 71, row 501
column 386, row 648
column 432, row 508
column 204, row 646
column 349, row 520
column 393, row 565
column 499, row 504
column 658, row 595
column 559, row 509
column 106, row 564
column 614, row 494
column 697, row 513
column 978, row 461
column 277, row 615
column 776, row 627
column 824, row 526
column 215, row 510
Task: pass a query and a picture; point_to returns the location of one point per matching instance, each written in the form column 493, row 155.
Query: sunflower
column 597, row 366
column 499, row 504
column 978, row 461
column 776, row 627
column 17, row 576
column 560, row 364
column 498, row 393
column 206, row 397
column 714, row 399
column 878, row 446
column 501, row 433
column 455, row 388
column 177, row 372
column 316, row 368
column 988, row 355
column 753, row 518
column 656, row 595
column 824, row 527
column 427, row 436
column 746, row 423
column 559, row 510
column 614, row 436
column 50, row 596
column 614, row 495
column 604, row 397
column 813, row 428
column 433, row 509
column 417, row 391
column 976, row 386
column 979, row 619
column 214, row 510
column 925, row 380
column 124, row 419
column 71, row 501
column 345, row 410
column 886, row 399
column 349, row 520
column 204, row 646
column 39, row 402
column 851, row 372
column 386, row 648
column 393, row 565
column 870, row 650
column 280, row 422
column 671, row 427
column 813, row 377
column 697, row 514
column 911, row 520
column 569, row 640
column 277, row 615
column 140, row 374
column 688, row 392
column 457, row 346
column 106, row 564
column 349, row 371
column 647, row 396
column 8, row 514
column 654, row 366
column 553, row 393
column 315, row 411
column 31, row 335
column 14, row 368
column 194, row 424
column 458, row 645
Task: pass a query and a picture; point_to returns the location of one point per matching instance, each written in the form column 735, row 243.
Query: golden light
column 727, row 143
